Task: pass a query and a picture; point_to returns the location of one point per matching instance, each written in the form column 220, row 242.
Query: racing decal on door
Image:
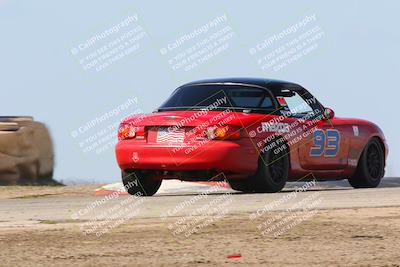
column 277, row 127
column 326, row 144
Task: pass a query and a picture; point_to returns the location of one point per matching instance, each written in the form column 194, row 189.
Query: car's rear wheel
column 140, row 184
column 371, row 166
column 240, row 185
column 273, row 171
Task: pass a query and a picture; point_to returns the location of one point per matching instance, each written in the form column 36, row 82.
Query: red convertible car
column 257, row 134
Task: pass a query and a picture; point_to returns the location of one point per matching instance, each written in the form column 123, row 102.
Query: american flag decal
column 165, row 135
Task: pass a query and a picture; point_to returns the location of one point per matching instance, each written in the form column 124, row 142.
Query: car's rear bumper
column 224, row 156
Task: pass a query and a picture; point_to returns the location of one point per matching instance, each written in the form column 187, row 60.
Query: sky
column 80, row 67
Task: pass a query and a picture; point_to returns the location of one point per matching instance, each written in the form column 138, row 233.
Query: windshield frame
column 317, row 107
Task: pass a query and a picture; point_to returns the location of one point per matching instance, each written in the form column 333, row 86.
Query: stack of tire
column 26, row 151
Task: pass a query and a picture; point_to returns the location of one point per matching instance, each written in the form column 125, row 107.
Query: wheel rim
column 374, row 162
column 277, row 167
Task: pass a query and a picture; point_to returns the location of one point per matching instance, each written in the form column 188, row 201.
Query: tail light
column 128, row 131
column 226, row 132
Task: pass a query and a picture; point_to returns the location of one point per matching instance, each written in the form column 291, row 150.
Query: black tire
column 273, row 170
column 371, row 166
column 139, row 184
column 240, row 185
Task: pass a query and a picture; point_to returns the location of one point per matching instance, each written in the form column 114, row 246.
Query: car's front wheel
column 371, row 166
column 140, row 184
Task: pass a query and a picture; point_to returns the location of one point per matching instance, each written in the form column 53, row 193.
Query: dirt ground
column 7, row 192
column 343, row 237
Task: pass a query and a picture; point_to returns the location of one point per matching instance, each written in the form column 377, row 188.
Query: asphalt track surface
column 333, row 195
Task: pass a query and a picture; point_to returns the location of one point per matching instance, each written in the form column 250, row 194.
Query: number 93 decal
column 327, row 144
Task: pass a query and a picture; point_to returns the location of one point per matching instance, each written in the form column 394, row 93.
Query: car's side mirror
column 328, row 114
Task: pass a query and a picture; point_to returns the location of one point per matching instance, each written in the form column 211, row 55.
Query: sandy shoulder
column 352, row 237
column 9, row 192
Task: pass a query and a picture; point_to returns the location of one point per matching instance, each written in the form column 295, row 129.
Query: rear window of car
column 225, row 96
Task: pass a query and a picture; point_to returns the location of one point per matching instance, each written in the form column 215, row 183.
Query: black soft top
column 261, row 82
